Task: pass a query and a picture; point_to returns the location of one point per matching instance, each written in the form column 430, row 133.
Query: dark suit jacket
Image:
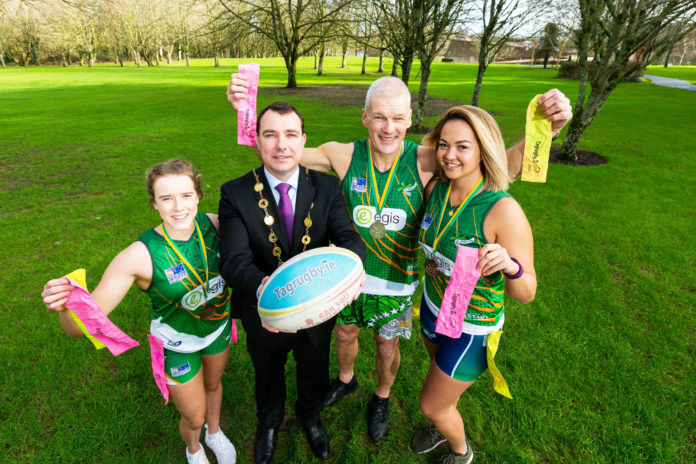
column 246, row 254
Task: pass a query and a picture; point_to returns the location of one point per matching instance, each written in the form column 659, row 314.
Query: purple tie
column 285, row 207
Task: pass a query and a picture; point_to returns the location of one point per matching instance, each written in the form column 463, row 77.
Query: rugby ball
column 310, row 288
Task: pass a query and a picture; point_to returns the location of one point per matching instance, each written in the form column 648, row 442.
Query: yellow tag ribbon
column 537, row 143
column 499, row 383
column 80, row 276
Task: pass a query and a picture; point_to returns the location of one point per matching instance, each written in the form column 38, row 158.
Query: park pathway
column 669, row 82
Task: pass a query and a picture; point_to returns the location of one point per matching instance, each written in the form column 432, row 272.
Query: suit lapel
column 303, row 201
column 278, row 225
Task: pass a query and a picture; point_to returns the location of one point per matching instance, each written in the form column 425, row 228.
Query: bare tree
column 294, row 26
column 619, row 33
column 397, row 21
column 434, row 29
column 499, row 21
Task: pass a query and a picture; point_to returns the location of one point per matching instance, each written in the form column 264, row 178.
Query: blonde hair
column 490, row 141
column 173, row 167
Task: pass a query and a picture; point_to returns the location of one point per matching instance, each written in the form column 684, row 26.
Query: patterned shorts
column 389, row 316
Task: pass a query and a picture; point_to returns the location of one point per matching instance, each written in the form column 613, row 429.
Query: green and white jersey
column 391, row 260
column 177, row 296
column 485, row 313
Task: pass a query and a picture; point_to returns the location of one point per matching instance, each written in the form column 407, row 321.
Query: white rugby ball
column 310, row 288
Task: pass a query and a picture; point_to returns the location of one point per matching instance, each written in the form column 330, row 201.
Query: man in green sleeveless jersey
column 382, row 178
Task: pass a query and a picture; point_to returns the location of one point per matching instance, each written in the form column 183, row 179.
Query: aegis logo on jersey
column 196, row 297
column 392, row 218
column 444, row 264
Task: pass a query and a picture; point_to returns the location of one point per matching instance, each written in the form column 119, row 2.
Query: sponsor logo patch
column 176, row 273
column 180, row 370
column 358, row 184
column 196, row 297
column 462, row 242
column 427, row 220
column 174, row 344
column 392, row 218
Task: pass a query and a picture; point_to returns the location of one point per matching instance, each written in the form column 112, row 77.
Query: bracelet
column 518, row 274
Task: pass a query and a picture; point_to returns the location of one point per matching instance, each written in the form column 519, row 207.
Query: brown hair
column 173, row 167
column 280, row 108
column 490, row 141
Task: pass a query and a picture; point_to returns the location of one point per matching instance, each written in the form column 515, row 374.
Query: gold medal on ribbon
column 431, row 267
column 207, row 311
column 258, row 186
column 268, row 220
column 377, row 230
column 208, row 308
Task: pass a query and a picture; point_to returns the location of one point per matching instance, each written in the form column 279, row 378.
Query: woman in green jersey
column 467, row 206
column 176, row 265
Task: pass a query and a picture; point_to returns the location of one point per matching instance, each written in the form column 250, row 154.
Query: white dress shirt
column 292, row 191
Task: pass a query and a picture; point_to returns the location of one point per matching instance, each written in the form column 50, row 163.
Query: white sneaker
column 221, row 446
column 198, row 457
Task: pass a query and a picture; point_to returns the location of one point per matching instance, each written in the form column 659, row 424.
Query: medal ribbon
column 185, row 261
column 380, row 201
column 472, row 193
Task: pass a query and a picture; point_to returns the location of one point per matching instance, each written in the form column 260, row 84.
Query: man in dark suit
column 267, row 216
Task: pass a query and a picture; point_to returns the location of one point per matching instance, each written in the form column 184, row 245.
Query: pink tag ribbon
column 157, row 355
column 246, row 107
column 458, row 293
column 81, row 303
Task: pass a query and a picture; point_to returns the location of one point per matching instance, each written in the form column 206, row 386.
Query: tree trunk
column 92, row 59
column 35, row 53
column 422, row 95
column 316, row 59
column 137, row 57
column 344, row 51
column 546, row 58
column 63, row 61
column 668, row 55
column 364, row 63
column 531, row 62
column 170, row 50
column 479, row 80
column 406, row 64
column 395, row 68
column 291, row 65
column 82, row 59
column 217, row 60
column 188, row 63
column 320, row 66
column 381, row 61
column 179, row 54
column 2, row 59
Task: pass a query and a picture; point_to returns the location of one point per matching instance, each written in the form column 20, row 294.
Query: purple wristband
column 518, row 274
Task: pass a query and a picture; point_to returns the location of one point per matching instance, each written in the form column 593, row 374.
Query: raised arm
column 331, row 156
column 558, row 111
column 510, row 236
column 132, row 265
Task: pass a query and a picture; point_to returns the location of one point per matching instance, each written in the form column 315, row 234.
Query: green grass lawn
column 685, row 73
column 600, row 365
